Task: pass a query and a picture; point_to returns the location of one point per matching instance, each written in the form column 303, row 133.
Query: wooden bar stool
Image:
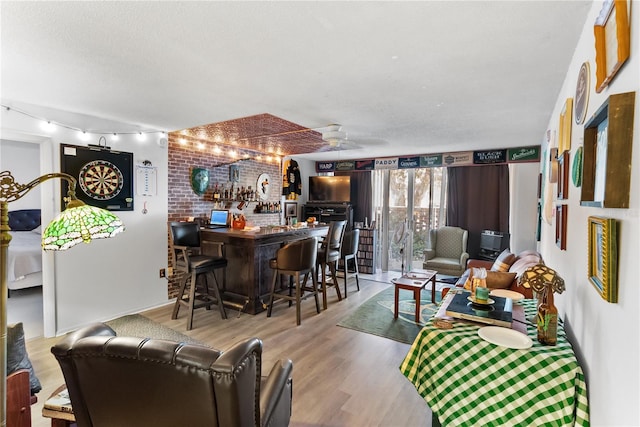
column 328, row 256
column 198, row 270
column 294, row 259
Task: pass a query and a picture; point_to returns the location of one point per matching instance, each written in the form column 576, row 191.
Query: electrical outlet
column 162, row 273
column 170, row 271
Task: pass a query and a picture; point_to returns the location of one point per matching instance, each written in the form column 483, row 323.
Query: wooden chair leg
column 176, row 307
column 273, row 289
column 192, row 297
column 355, row 266
column 217, row 295
column 336, row 284
column 298, row 314
column 314, row 283
column 324, row 286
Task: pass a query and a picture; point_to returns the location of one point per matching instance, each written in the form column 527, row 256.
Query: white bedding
column 24, row 258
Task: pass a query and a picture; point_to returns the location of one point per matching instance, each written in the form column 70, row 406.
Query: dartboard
column 100, row 180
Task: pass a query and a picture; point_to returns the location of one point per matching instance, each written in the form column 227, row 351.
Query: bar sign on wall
column 325, row 166
column 489, row 157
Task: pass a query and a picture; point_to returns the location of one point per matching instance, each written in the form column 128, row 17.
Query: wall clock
column 262, row 186
column 582, row 94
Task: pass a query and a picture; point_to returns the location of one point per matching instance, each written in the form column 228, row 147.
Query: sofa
column 504, row 272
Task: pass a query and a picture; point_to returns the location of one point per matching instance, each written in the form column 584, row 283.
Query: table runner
column 468, row 381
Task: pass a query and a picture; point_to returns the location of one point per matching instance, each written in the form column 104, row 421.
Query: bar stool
column 184, row 241
column 294, row 259
column 349, row 252
column 328, row 256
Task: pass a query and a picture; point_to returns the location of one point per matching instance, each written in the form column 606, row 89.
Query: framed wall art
column 564, row 127
column 561, row 226
column 290, row 209
column 603, row 257
column 105, row 177
column 612, row 34
column 563, row 176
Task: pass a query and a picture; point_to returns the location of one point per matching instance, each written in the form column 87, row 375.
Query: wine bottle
column 547, row 318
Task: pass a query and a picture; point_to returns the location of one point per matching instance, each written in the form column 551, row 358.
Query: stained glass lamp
column 77, row 223
column 539, row 276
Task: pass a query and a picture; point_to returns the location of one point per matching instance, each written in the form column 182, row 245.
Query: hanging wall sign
column 325, row 166
column 105, row 177
column 458, row 159
column 489, row 157
column 345, row 166
column 432, row 161
column 365, row 165
column 389, row 163
column 524, row 154
column 409, row 162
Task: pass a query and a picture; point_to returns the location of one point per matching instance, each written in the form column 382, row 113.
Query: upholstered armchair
column 447, row 251
column 126, row 381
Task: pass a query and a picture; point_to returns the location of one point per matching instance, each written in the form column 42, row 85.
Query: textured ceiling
column 400, row 77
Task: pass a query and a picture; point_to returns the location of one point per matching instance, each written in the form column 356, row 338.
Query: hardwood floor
column 341, row 377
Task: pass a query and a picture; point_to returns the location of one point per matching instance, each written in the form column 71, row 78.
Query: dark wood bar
column 248, row 252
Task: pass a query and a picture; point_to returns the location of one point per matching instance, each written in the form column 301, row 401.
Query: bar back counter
column 248, row 253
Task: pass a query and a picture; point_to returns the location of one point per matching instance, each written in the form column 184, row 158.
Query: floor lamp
column 77, row 223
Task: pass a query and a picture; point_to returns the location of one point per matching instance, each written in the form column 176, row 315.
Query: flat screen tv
column 329, row 189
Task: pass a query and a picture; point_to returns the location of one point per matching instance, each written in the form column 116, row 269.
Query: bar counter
column 248, row 252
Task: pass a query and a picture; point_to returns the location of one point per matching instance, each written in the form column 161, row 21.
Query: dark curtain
column 360, row 194
column 478, row 199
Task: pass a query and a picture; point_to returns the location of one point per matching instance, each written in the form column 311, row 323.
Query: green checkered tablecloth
column 467, row 381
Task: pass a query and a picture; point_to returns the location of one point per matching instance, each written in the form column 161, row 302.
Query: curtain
column 478, row 199
column 361, row 193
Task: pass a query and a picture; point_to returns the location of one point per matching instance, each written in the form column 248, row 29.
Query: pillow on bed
column 17, row 357
column 499, row 279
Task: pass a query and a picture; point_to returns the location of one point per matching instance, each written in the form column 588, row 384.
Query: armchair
column 126, row 381
column 447, row 251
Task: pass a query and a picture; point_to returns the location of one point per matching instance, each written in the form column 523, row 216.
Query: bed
column 24, row 260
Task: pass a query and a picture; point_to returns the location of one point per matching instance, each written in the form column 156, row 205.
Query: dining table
column 469, row 381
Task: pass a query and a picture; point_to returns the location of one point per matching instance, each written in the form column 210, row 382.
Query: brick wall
column 183, row 202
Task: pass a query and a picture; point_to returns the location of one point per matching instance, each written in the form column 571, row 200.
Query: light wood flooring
column 341, row 377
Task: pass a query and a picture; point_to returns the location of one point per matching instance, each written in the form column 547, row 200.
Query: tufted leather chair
column 447, row 251
column 126, row 381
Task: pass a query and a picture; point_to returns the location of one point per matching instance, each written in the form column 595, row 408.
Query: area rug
column 136, row 325
column 375, row 316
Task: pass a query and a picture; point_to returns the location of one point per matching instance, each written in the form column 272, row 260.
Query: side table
column 59, row 418
column 414, row 281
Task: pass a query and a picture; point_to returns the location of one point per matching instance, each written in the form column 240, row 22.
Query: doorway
column 408, row 203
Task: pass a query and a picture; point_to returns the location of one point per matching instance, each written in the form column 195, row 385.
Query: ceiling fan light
column 334, row 135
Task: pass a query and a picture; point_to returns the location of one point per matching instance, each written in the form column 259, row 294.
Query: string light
column 83, row 134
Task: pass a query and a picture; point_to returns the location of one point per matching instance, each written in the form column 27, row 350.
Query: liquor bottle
column 547, row 318
column 216, row 192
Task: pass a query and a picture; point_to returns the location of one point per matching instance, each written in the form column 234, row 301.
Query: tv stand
column 329, row 211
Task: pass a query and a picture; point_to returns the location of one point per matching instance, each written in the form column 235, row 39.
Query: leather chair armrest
column 276, row 395
column 479, row 263
column 96, row 329
column 429, row 254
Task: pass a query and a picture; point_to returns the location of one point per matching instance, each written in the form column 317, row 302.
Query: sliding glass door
column 407, row 202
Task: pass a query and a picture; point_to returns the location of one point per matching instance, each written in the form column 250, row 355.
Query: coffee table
column 415, row 281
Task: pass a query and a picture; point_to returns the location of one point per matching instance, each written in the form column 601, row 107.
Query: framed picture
column 290, row 209
column 561, row 226
column 582, row 94
column 563, row 176
column 564, row 127
column 234, row 173
column 104, row 177
column 603, row 257
column 612, row 34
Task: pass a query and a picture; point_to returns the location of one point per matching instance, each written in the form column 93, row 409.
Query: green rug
column 375, row 316
column 135, row 325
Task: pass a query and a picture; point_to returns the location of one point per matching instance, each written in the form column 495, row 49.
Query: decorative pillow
column 504, row 261
column 499, row 279
column 17, row 357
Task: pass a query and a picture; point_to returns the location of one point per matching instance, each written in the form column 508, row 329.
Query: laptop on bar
column 218, row 219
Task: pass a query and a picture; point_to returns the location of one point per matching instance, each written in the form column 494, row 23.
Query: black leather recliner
column 127, row 381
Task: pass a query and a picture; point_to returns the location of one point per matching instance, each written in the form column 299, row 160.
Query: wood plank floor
column 341, row 377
